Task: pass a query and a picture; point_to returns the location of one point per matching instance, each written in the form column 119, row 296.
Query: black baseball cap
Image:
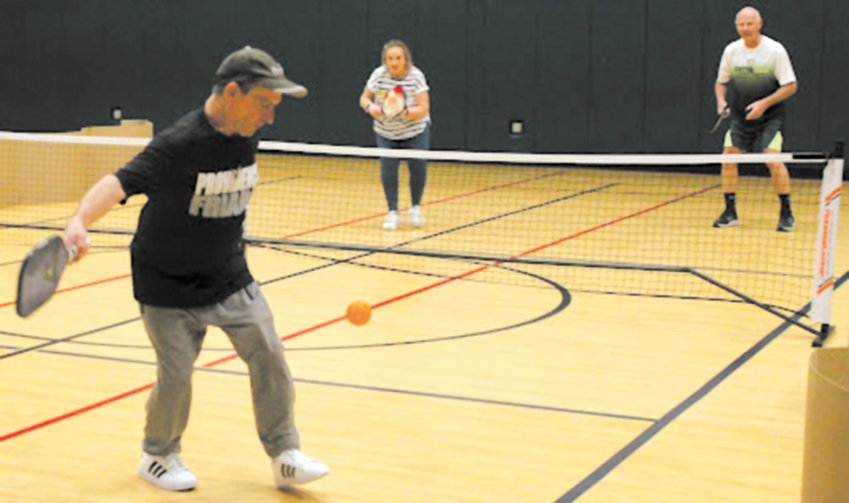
column 253, row 66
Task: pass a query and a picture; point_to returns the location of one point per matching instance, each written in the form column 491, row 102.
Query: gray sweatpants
column 177, row 335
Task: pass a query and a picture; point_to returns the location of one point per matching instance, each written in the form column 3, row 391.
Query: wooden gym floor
column 481, row 389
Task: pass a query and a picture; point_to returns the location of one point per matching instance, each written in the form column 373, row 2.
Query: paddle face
column 394, row 103
column 40, row 273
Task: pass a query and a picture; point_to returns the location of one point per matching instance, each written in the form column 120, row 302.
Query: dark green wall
column 584, row 75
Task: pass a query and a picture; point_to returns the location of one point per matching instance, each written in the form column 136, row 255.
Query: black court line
column 229, row 349
column 791, row 311
column 573, row 195
column 333, row 262
column 68, row 338
column 38, row 224
column 114, row 345
column 350, row 260
column 798, row 275
column 565, row 300
column 608, row 466
column 380, row 389
column 475, row 400
column 685, row 297
column 101, row 250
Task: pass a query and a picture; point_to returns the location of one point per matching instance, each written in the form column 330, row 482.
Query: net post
column 826, row 244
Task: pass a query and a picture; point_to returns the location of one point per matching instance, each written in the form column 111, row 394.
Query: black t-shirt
column 188, row 248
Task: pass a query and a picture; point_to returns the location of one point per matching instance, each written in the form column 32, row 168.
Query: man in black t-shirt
column 189, row 267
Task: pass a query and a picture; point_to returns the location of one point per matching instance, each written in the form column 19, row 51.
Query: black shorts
column 755, row 138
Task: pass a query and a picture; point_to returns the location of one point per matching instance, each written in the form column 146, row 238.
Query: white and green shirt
column 753, row 74
column 382, row 82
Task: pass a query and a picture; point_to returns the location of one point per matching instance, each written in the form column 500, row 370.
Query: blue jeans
column 417, row 167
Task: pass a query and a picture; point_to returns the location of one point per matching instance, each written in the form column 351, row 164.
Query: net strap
column 456, row 155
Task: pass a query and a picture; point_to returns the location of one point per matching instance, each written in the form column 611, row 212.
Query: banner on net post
column 826, row 247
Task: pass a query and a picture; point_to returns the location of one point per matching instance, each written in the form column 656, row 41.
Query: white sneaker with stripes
column 167, row 472
column 295, row 467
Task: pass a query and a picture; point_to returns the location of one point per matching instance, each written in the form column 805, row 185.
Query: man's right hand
column 76, row 235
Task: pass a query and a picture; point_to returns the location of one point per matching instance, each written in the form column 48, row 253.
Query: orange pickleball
column 358, row 313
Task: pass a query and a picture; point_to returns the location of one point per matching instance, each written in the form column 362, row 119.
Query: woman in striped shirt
column 409, row 129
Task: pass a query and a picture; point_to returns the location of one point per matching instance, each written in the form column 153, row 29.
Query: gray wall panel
column 673, row 115
column 565, row 76
column 584, row 75
column 617, row 95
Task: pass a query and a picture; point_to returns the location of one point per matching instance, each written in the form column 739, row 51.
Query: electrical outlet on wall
column 517, row 127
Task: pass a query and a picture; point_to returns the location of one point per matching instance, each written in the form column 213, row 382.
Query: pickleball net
column 634, row 225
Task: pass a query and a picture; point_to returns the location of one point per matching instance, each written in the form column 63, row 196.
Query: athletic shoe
column 295, row 467
column 727, row 219
column 390, row 223
column 416, row 216
column 167, row 472
column 786, row 223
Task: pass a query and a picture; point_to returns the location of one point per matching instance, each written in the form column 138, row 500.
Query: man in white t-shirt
column 757, row 71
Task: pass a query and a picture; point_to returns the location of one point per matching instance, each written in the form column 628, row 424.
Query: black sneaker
column 727, row 219
column 786, row 223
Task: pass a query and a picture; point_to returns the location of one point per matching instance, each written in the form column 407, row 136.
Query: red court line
column 617, row 220
column 340, row 318
column 76, row 412
column 333, row 226
column 76, row 287
column 435, row 201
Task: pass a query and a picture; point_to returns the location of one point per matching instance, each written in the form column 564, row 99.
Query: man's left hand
column 756, row 110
